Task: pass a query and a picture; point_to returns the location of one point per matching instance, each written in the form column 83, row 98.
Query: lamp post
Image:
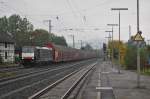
column 119, row 9
column 109, row 39
column 112, row 25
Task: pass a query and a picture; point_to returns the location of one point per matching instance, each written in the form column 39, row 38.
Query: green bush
column 131, row 57
column 144, row 56
column 1, row 59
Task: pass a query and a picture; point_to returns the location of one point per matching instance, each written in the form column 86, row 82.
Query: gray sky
column 87, row 18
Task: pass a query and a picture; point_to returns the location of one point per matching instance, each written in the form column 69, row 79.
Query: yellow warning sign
column 138, row 37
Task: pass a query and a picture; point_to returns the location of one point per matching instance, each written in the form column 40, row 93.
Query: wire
column 70, row 6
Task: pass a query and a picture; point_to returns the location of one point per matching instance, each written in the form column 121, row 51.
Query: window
column 5, row 45
column 5, row 55
column 28, row 50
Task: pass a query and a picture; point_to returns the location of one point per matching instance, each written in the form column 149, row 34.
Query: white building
column 6, row 47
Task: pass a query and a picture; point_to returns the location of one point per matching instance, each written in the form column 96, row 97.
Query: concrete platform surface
column 124, row 85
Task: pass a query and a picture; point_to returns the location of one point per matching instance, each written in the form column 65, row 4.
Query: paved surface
column 123, row 85
column 99, row 78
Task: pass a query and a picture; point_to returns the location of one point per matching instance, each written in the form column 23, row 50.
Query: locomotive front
column 28, row 55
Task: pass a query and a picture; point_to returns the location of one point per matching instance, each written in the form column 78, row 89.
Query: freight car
column 53, row 53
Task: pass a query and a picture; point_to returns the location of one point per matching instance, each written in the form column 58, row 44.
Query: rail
column 48, row 88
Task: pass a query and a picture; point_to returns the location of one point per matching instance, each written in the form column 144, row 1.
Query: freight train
column 54, row 53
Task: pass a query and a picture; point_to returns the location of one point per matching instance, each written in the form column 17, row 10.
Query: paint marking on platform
column 99, row 84
column 103, row 88
column 105, row 72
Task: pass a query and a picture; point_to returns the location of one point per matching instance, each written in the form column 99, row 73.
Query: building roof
column 6, row 37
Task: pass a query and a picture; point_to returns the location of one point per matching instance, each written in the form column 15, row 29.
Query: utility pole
column 111, row 47
column 81, row 42
column 138, row 51
column 119, row 9
column 112, row 25
column 109, row 39
column 138, row 27
column 73, row 40
column 129, row 32
column 50, row 28
column 50, row 25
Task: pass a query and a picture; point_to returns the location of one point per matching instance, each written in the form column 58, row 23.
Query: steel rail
column 22, row 88
column 48, row 88
column 27, row 86
column 35, row 73
column 40, row 93
column 32, row 72
column 67, row 94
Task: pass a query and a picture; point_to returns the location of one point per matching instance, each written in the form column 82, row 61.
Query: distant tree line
column 87, row 47
column 24, row 34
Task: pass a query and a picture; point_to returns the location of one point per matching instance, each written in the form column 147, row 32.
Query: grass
column 8, row 64
column 6, row 74
column 147, row 72
column 116, row 62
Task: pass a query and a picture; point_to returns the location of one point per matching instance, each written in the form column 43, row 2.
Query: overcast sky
column 88, row 19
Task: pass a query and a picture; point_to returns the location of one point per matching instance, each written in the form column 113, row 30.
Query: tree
column 87, row 47
column 130, row 57
column 1, row 59
column 39, row 37
column 25, row 26
column 115, row 47
column 22, row 31
column 3, row 24
column 13, row 24
column 18, row 27
column 144, row 56
column 59, row 40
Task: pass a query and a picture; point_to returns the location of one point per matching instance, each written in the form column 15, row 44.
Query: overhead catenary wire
column 71, row 7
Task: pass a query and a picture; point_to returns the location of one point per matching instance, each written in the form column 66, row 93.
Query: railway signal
column 104, row 47
column 104, row 50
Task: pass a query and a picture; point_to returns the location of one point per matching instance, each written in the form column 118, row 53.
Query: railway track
column 20, row 72
column 24, row 86
column 65, row 87
column 10, row 68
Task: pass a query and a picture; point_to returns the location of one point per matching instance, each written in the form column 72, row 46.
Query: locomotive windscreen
column 27, row 49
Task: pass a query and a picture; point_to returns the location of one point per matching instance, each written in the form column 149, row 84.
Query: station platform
column 106, row 83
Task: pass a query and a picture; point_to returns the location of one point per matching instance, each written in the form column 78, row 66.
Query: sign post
column 138, row 38
column 138, row 65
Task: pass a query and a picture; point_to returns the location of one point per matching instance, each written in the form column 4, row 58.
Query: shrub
column 1, row 59
column 131, row 57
